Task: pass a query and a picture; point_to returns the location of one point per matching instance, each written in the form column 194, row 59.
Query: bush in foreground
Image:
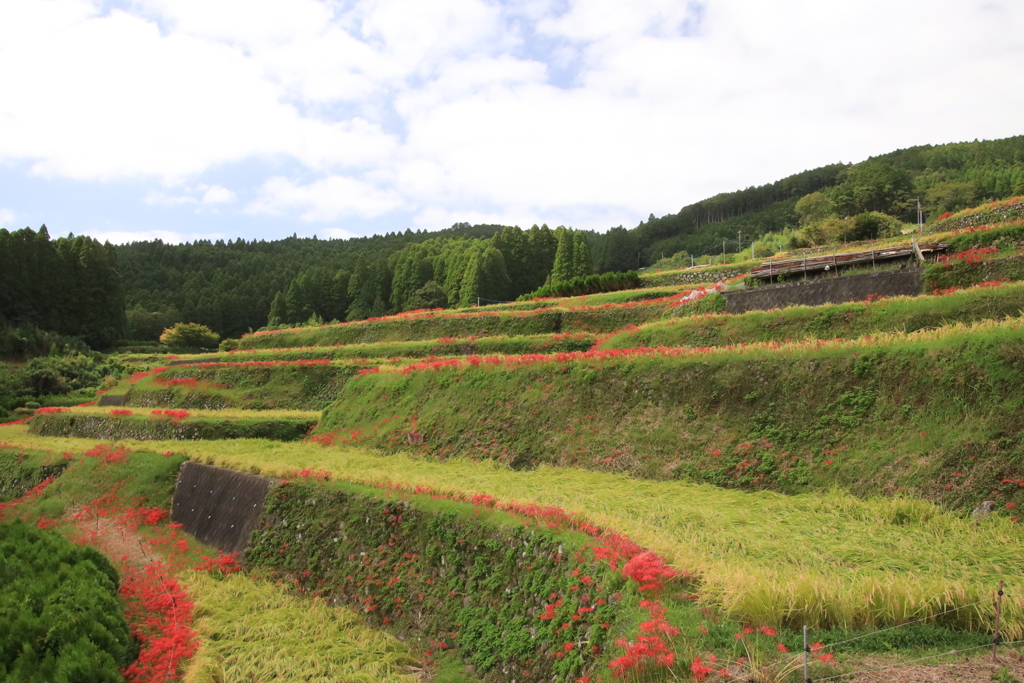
column 62, row 619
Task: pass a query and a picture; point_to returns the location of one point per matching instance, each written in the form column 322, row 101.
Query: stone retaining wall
column 826, row 291
column 218, row 506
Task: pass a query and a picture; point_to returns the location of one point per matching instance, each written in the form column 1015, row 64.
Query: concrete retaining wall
column 218, row 506
column 834, row 290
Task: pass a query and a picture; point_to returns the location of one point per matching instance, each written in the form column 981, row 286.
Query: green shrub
column 227, row 345
column 190, row 336
column 62, row 617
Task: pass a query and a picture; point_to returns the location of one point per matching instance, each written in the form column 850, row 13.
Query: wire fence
column 912, row 661
column 803, row 658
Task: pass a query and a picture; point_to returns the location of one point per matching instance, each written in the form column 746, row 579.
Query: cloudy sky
column 185, row 119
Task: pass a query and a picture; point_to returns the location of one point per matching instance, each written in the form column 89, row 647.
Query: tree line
column 71, row 286
column 101, row 293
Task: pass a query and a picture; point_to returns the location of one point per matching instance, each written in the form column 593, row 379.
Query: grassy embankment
column 763, row 558
column 442, row 324
column 246, row 385
column 831, row 321
column 933, row 412
column 178, row 425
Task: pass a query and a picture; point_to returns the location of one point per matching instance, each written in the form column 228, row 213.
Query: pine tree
column 581, row 262
column 563, row 268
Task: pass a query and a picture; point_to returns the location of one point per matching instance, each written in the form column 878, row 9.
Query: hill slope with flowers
column 637, row 488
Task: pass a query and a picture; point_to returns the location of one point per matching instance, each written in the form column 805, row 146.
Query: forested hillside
column 74, row 286
column 946, row 178
column 70, row 285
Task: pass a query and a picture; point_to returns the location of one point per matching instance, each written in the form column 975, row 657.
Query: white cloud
column 167, row 236
column 584, row 112
column 6, row 217
column 156, row 198
column 324, row 199
column 337, row 234
column 122, row 100
column 215, row 194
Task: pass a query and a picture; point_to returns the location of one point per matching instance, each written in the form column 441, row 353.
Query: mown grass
column 254, row 630
column 831, row 321
column 765, row 558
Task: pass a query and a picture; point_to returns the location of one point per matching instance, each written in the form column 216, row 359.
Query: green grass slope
column 246, row 384
column 935, row 413
column 423, row 326
column 832, row 321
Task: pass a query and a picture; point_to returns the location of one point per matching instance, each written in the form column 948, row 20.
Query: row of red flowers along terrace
column 561, row 336
column 676, row 299
column 137, row 376
column 433, row 363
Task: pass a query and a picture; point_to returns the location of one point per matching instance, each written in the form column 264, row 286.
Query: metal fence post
column 999, row 611
column 807, row 651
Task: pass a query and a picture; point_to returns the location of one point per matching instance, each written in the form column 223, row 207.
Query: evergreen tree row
column 71, row 285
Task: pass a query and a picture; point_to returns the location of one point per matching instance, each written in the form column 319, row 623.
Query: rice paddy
column 254, row 630
column 824, row 559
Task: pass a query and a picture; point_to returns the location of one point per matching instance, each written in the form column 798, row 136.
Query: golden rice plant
column 253, row 630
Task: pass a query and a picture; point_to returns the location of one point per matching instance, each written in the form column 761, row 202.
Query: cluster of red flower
column 971, row 256
column 159, row 614
column 175, row 415
column 48, row 410
column 29, row 495
column 108, row 454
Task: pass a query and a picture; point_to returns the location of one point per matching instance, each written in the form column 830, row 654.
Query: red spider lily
column 159, row 614
column 175, row 415
column 309, row 473
column 223, row 563
column 120, row 412
column 971, row 256
column 108, row 454
column 50, row 410
column 649, row 570
column 699, row 669
column 32, row 493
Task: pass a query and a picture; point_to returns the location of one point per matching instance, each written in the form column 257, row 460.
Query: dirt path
column 970, row 670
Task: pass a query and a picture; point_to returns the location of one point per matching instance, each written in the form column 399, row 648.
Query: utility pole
column 739, row 240
column 920, row 216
